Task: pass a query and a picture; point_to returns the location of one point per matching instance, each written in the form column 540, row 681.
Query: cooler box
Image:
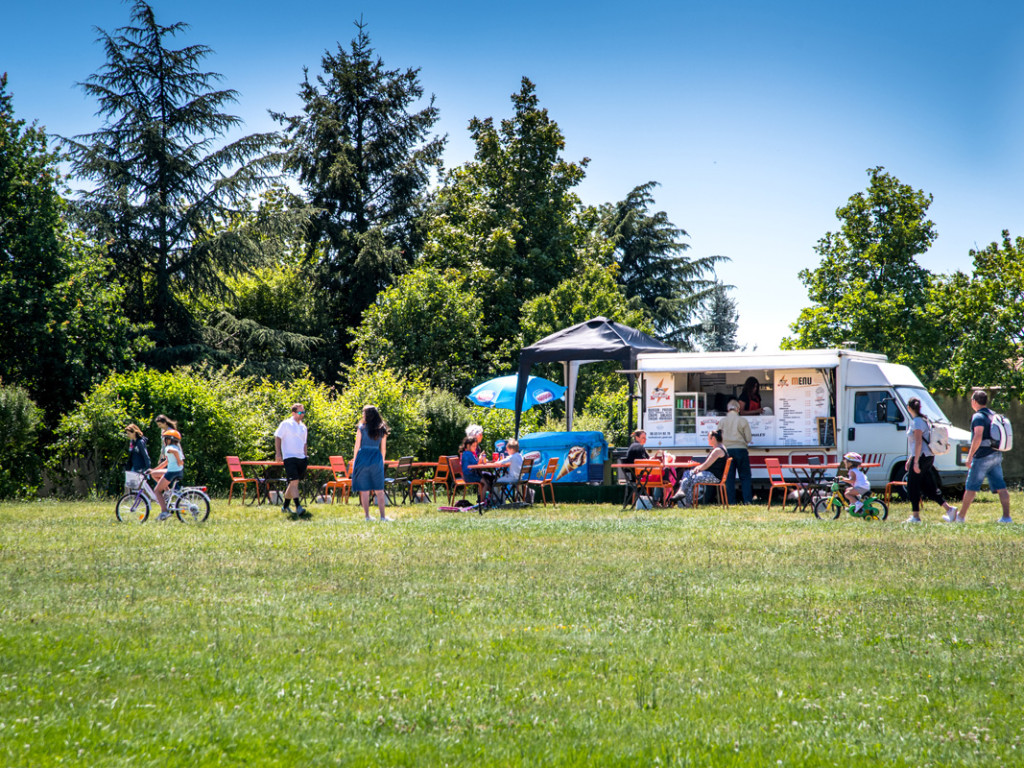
column 581, row 455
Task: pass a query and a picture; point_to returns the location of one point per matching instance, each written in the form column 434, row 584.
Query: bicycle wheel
column 193, row 506
column 875, row 509
column 132, row 508
column 828, row 509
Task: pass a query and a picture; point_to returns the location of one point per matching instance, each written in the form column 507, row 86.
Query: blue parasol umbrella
column 501, row 392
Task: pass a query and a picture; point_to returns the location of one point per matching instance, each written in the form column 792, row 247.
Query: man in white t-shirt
column 290, row 448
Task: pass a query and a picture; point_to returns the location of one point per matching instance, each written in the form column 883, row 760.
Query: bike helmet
column 854, row 457
column 171, row 433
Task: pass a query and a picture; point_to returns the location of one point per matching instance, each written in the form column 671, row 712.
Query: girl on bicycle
column 857, row 481
column 165, row 424
column 175, row 469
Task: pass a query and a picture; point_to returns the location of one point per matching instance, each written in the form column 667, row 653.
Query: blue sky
column 758, row 119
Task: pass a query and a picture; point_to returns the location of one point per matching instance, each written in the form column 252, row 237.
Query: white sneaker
column 1005, row 519
column 164, row 515
column 913, row 519
column 950, row 516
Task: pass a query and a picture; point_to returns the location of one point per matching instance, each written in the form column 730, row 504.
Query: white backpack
column 1000, row 431
column 938, row 438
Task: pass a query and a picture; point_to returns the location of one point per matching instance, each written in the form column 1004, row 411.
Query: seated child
column 857, row 481
column 513, row 464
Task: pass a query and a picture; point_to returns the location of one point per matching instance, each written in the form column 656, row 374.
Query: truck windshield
column 929, row 407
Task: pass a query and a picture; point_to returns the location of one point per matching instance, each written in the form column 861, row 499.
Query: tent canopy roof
column 595, row 339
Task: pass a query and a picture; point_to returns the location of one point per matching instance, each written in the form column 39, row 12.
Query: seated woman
column 469, row 453
column 710, row 471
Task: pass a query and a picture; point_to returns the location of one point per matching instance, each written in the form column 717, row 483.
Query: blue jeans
column 990, row 466
column 741, row 465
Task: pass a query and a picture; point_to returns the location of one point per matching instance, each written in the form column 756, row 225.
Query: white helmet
column 854, row 458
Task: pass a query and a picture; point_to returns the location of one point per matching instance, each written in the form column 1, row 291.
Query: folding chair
column 238, row 477
column 890, row 486
column 341, row 482
column 723, row 497
column 400, row 480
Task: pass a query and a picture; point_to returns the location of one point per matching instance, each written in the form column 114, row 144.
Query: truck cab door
column 876, row 429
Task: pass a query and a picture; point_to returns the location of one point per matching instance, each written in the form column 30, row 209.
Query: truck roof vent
column 849, row 345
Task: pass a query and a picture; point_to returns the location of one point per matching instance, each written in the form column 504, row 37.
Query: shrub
column 213, row 409
column 447, row 418
column 395, row 396
column 20, row 420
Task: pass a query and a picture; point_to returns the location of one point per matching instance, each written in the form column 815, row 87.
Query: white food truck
column 820, row 402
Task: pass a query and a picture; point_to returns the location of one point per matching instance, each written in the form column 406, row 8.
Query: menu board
column 801, row 398
column 659, row 412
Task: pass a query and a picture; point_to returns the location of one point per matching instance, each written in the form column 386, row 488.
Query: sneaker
column 286, row 509
column 1005, row 519
column 300, row 511
column 950, row 516
column 913, row 519
column 304, row 514
column 164, row 515
column 387, row 520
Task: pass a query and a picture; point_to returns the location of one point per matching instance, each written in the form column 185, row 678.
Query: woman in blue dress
column 368, row 465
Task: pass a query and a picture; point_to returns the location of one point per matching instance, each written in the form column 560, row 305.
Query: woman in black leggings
column 921, row 480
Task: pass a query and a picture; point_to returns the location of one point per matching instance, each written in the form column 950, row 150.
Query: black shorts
column 295, row 469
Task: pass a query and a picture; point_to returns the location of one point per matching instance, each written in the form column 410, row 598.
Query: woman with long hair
column 368, row 464
column 920, row 461
column 750, row 397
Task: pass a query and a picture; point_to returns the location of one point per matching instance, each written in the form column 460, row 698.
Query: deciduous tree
column 508, row 219
column 869, row 287
column 60, row 319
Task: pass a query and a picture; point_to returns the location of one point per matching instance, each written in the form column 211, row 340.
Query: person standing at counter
column 750, row 397
column 736, row 436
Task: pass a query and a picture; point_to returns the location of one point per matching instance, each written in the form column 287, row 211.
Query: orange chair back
column 549, row 472
column 455, row 469
column 774, row 471
column 441, row 473
column 339, row 467
column 235, row 468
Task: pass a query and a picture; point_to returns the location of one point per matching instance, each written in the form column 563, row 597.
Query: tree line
column 196, row 247
column 340, row 246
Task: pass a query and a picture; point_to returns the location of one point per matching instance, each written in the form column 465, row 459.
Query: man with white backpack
column 984, row 459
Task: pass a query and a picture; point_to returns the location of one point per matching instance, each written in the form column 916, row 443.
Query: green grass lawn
column 577, row 636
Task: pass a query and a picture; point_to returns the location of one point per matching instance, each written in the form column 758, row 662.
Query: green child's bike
column 831, row 507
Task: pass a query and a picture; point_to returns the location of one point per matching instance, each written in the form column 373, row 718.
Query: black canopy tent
column 595, row 340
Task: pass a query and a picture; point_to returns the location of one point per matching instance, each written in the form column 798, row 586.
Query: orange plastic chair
column 238, row 476
column 441, row 476
column 458, row 481
column 341, row 482
column 723, row 496
column 649, row 477
column 778, row 481
column 546, row 481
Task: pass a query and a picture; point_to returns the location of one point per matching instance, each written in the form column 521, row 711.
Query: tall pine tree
column 653, row 268
column 364, row 156
column 163, row 182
